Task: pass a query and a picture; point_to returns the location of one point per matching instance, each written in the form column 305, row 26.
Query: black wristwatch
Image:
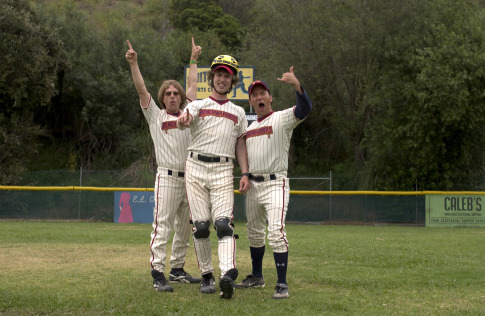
column 246, row 174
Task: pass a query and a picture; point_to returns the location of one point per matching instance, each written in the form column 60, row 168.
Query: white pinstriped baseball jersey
column 216, row 127
column 170, row 142
column 171, row 211
column 273, row 133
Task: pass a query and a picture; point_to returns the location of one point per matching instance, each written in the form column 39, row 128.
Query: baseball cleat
column 160, row 283
column 180, row 276
column 281, row 291
column 226, row 284
column 208, row 284
column 251, row 281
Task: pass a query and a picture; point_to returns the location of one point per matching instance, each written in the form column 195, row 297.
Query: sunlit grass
column 81, row 268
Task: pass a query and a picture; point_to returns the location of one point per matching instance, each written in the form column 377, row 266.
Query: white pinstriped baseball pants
column 171, row 213
column 267, row 202
column 210, row 192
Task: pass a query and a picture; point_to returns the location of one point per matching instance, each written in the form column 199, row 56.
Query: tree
column 396, row 86
column 203, row 15
column 32, row 54
column 428, row 128
column 334, row 48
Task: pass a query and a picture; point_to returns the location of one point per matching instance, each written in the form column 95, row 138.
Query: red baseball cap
column 258, row 83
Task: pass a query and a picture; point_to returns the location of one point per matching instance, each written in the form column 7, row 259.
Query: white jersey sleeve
column 268, row 142
column 170, row 142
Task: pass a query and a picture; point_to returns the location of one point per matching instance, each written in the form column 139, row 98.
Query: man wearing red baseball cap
column 268, row 142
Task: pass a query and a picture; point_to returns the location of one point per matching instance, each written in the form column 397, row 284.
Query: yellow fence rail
column 78, row 188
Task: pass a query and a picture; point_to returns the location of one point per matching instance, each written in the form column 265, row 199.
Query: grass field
column 84, row 268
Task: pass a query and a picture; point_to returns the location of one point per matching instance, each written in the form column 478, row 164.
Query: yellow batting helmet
column 227, row 62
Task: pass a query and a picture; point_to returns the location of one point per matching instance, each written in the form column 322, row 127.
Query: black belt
column 209, row 159
column 180, row 174
column 261, row 178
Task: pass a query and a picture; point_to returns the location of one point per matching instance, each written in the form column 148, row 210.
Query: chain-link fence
column 84, row 204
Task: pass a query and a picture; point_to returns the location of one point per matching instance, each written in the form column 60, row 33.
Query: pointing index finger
column 129, row 45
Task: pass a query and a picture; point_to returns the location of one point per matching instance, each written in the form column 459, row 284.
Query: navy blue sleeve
column 303, row 105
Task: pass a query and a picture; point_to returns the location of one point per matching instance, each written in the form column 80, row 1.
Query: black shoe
column 250, row 281
column 281, row 291
column 208, row 284
column 180, row 276
column 160, row 283
column 226, row 284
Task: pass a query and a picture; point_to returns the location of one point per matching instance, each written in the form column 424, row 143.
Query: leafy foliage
column 397, row 87
column 32, row 55
column 203, row 15
column 429, row 120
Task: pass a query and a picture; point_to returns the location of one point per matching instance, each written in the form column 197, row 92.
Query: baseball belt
column 179, row 174
column 208, row 159
column 261, row 178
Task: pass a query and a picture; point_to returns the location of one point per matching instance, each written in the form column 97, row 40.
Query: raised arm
column 131, row 57
column 303, row 102
column 192, row 80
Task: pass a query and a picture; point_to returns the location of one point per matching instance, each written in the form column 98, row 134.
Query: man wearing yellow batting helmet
column 218, row 129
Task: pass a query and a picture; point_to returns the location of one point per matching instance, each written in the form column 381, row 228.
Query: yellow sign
column 238, row 93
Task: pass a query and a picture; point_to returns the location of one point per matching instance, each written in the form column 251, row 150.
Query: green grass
column 82, row 268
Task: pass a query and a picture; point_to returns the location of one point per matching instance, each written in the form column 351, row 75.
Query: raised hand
column 290, row 78
column 196, row 51
column 131, row 56
column 184, row 119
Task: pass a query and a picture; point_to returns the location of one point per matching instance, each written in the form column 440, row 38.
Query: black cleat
column 180, row 276
column 250, row 281
column 281, row 291
column 160, row 283
column 226, row 284
column 208, row 284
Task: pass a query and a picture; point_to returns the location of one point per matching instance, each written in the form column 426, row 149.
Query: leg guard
column 201, row 229
column 224, row 228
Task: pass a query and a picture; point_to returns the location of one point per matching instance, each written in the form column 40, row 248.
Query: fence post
column 330, row 196
column 80, row 184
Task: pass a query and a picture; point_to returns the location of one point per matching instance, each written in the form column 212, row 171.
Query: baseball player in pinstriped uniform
column 268, row 142
column 218, row 129
column 171, row 211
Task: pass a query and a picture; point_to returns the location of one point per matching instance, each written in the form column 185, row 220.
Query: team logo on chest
column 168, row 125
column 265, row 130
column 218, row 113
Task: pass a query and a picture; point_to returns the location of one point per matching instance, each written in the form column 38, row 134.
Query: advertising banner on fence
column 133, row 207
column 455, row 210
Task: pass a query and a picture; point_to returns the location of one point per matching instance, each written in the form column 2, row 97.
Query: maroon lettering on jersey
column 203, row 113
column 168, row 125
column 265, row 130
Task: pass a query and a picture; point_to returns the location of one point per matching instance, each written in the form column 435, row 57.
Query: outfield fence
column 91, row 201
column 326, row 207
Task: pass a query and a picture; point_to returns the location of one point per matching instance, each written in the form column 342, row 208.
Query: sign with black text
column 455, row 210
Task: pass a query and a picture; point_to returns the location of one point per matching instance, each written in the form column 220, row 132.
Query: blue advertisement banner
column 133, row 207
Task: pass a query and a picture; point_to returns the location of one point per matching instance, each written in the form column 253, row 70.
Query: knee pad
column 202, row 229
column 224, row 227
